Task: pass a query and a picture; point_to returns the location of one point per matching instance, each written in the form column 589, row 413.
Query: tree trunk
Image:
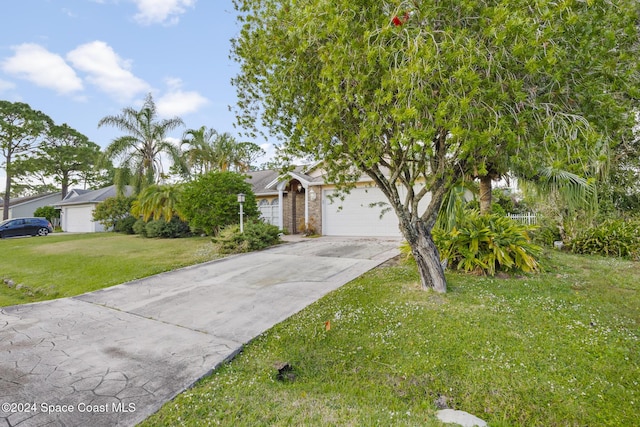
column 427, row 258
column 485, row 194
column 65, row 184
column 7, row 191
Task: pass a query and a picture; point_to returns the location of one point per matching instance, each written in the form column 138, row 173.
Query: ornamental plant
column 486, row 244
column 616, row 238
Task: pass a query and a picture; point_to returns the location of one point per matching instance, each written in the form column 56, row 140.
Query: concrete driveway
column 115, row 356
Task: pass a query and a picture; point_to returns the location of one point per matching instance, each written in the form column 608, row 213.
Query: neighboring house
column 26, row 206
column 303, row 197
column 76, row 210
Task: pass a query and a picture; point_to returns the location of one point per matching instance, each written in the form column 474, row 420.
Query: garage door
column 359, row 214
column 78, row 219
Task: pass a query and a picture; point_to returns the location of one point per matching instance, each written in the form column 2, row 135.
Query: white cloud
column 34, row 63
column 5, row 85
column 161, row 11
column 107, row 70
column 177, row 102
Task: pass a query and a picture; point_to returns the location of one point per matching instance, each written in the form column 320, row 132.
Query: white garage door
column 78, row 219
column 358, row 217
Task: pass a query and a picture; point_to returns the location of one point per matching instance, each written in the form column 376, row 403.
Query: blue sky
column 80, row 60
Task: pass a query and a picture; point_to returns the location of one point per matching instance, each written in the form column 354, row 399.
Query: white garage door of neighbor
column 78, row 219
column 358, row 217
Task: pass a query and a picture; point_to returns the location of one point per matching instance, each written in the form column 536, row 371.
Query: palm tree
column 201, row 156
column 158, row 202
column 212, row 151
column 139, row 151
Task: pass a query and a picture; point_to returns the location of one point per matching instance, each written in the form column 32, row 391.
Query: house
column 303, row 196
column 26, row 206
column 76, row 209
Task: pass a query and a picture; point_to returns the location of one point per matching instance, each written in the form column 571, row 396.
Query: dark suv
column 25, row 227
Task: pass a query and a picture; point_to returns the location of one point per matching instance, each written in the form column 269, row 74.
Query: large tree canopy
column 417, row 94
column 20, row 130
column 64, row 155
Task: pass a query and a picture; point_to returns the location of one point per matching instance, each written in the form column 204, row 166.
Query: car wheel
column 42, row 231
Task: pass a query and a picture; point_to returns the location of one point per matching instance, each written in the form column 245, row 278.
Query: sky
column 81, row 60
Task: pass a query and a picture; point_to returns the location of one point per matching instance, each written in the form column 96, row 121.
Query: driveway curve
column 115, row 356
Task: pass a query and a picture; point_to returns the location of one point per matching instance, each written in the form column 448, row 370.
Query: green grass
column 556, row 349
column 65, row 265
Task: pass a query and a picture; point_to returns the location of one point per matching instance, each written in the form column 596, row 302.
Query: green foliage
column 210, row 202
column 140, row 227
column 161, row 228
column 65, row 155
column 125, row 225
column 460, row 88
column 21, row 128
column 167, row 229
column 209, row 151
column 487, row 244
column 257, row 235
column 546, row 233
column 157, row 202
column 48, row 212
column 616, row 238
column 112, row 210
column 140, row 149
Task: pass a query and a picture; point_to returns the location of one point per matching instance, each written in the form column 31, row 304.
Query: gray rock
column 462, row 418
column 10, row 283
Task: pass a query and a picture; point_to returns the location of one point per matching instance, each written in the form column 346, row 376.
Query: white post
column 241, row 201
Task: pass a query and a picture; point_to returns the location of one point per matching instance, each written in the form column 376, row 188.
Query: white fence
column 528, row 218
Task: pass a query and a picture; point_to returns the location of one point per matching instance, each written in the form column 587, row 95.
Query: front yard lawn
column 556, row 349
column 62, row 265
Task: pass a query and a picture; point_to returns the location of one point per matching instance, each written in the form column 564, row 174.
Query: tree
column 64, row 155
column 158, row 202
column 211, row 201
column 112, row 210
column 417, row 95
column 20, row 130
column 212, row 151
column 139, row 151
column 48, row 212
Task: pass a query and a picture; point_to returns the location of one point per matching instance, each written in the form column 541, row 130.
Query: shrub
column 485, row 244
column 48, row 212
column 211, row 201
column 125, row 225
column 154, row 228
column 257, row 235
column 546, row 233
column 616, row 238
column 112, row 210
column 161, row 228
column 140, row 227
column 310, row 228
column 174, row 228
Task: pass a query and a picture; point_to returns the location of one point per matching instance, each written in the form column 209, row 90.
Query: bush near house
column 257, row 235
column 486, row 244
column 112, row 210
column 614, row 237
column 125, row 225
column 210, row 202
column 160, row 228
column 48, row 212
